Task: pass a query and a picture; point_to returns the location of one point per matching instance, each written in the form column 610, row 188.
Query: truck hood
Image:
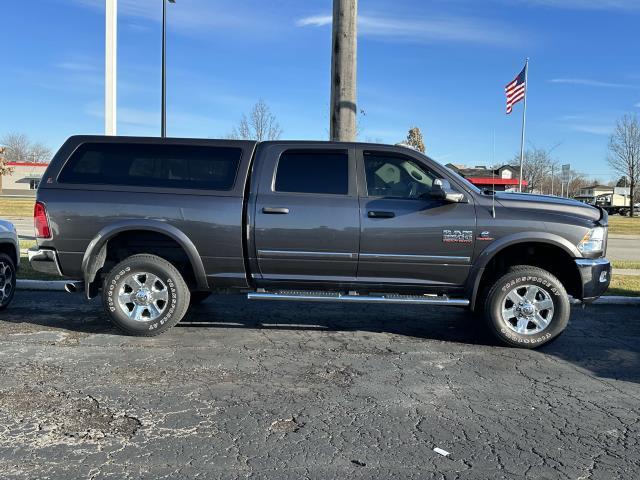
column 551, row 204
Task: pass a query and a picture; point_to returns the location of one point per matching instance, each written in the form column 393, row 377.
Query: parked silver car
column 9, row 262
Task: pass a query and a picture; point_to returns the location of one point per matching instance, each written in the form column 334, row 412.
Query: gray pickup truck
column 153, row 225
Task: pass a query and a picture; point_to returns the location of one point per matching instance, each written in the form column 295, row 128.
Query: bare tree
column 18, row 148
column 415, row 139
column 537, row 169
column 575, row 182
column 622, row 182
column 261, row 125
column 624, row 152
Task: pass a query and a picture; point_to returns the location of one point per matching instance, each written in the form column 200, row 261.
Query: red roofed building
column 504, row 178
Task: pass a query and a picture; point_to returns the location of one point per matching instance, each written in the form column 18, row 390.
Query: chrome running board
column 320, row 296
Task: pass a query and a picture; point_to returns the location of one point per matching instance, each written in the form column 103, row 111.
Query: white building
column 24, row 178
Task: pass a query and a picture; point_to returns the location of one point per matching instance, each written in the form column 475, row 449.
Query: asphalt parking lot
column 260, row 390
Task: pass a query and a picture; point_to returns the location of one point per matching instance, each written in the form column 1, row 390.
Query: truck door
column 307, row 223
column 407, row 236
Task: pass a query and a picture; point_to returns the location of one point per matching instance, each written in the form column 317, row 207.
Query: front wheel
column 145, row 295
column 527, row 307
column 7, row 280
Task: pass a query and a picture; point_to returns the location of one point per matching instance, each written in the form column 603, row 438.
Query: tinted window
column 168, row 166
column 313, row 172
column 396, row 176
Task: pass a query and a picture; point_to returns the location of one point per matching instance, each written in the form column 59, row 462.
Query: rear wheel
column 7, row 280
column 527, row 307
column 145, row 295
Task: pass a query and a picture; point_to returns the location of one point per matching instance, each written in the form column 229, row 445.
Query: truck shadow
column 603, row 340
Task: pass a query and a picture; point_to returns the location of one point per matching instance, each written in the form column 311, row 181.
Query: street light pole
column 110, row 69
column 163, row 128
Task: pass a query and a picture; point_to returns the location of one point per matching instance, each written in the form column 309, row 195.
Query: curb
column 58, row 286
column 616, row 300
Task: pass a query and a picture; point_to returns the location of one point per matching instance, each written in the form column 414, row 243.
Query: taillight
column 41, row 221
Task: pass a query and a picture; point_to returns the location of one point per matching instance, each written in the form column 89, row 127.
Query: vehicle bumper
column 596, row 276
column 44, row 260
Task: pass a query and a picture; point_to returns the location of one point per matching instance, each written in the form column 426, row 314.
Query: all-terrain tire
column 7, row 280
column 145, row 295
column 545, row 290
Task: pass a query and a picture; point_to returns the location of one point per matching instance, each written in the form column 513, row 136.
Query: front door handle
column 275, row 210
column 379, row 214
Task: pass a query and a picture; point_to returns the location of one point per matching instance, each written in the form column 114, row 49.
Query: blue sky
column 438, row 64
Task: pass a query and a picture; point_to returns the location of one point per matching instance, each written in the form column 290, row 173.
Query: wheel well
column 543, row 255
column 10, row 250
column 133, row 242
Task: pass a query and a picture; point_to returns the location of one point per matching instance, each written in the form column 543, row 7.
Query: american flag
column 516, row 90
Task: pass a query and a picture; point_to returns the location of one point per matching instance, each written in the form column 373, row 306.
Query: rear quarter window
column 143, row 165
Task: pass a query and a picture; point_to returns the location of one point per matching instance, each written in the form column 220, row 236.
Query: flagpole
column 524, row 120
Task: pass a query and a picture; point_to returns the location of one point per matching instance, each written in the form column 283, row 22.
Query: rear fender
column 96, row 253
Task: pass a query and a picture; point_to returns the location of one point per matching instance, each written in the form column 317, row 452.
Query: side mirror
column 441, row 189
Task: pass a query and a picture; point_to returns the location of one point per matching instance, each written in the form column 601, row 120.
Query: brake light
column 41, row 221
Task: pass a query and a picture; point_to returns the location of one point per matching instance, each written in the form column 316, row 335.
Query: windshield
column 463, row 180
column 451, row 172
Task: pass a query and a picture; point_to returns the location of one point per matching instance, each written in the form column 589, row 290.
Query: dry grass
column 626, row 264
column 28, row 273
column 624, row 225
column 16, row 207
column 625, row 285
column 27, row 244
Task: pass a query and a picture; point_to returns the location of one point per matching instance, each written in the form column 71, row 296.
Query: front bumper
column 44, row 260
column 596, row 276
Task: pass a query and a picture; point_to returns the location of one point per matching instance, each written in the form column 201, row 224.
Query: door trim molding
column 391, row 257
column 307, row 255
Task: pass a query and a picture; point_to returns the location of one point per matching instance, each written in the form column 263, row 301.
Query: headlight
column 593, row 241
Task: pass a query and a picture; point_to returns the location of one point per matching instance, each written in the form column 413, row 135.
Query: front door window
column 396, row 177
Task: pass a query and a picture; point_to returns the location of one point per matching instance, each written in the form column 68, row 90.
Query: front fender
column 95, row 254
column 526, row 237
column 475, row 275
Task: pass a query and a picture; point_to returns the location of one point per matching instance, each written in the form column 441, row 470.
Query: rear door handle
column 379, row 214
column 275, row 210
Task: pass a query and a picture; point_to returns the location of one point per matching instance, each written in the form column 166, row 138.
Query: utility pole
column 344, row 70
column 110, row 67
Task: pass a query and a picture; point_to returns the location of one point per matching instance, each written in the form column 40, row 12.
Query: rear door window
column 320, row 172
column 165, row 166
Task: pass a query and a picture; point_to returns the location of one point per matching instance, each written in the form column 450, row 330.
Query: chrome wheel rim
column 143, row 297
column 527, row 309
column 6, row 282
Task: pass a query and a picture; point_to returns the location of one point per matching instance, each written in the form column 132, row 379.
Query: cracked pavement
column 295, row 390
